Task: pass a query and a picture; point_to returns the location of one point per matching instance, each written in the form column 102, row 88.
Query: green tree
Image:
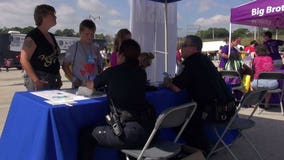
column 217, row 32
column 242, row 32
column 109, row 39
column 6, row 30
column 26, row 30
column 16, row 29
column 281, row 31
column 65, row 32
column 273, row 31
column 100, row 36
column 58, row 33
column 221, row 32
column 68, row 32
column 203, row 34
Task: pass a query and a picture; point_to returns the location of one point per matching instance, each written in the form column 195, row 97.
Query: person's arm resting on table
column 168, row 83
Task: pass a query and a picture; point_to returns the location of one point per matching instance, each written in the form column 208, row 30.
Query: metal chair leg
column 252, row 145
column 220, row 140
column 226, row 146
column 213, row 150
column 281, row 105
column 230, row 151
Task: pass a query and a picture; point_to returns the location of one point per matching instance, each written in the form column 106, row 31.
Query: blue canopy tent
column 166, row 28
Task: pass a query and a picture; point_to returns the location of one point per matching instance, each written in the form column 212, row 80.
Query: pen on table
column 69, row 104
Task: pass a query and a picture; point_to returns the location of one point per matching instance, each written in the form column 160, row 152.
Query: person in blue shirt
column 273, row 48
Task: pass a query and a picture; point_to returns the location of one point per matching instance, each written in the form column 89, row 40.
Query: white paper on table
column 68, row 103
column 97, row 94
column 56, row 97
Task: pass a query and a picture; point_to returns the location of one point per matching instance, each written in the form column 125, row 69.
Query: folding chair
column 171, row 117
column 253, row 98
column 234, row 79
column 279, row 76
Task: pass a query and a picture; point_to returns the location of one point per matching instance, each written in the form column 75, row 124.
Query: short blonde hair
column 145, row 59
column 42, row 11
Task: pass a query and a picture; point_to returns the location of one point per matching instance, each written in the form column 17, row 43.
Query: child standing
column 122, row 34
column 83, row 57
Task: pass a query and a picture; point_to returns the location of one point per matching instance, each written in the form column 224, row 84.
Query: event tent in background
column 261, row 13
column 147, row 24
column 212, row 46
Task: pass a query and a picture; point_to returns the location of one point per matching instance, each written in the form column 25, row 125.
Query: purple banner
column 262, row 13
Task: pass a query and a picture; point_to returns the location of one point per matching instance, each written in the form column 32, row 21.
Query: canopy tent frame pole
column 230, row 39
column 254, row 33
column 166, row 35
column 155, row 42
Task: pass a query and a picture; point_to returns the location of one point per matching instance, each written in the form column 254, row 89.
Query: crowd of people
column 253, row 59
column 126, row 79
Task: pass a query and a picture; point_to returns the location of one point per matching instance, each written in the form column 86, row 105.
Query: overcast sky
column 114, row 14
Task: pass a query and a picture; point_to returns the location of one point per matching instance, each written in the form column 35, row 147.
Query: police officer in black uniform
column 205, row 86
column 126, row 85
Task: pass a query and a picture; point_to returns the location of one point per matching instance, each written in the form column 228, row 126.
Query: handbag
column 224, row 112
column 71, row 65
column 219, row 112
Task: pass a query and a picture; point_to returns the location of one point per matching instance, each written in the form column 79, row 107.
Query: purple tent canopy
column 261, row 13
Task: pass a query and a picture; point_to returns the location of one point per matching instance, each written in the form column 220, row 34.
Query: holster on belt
column 140, row 116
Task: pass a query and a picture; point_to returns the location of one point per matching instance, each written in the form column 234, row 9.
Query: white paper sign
column 56, row 97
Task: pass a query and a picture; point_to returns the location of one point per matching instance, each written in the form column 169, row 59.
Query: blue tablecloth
column 35, row 130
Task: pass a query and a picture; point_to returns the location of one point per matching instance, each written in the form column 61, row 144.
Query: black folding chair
column 253, row 98
column 279, row 76
column 232, row 75
column 171, row 117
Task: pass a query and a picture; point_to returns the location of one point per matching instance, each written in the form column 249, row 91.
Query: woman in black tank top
column 39, row 55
